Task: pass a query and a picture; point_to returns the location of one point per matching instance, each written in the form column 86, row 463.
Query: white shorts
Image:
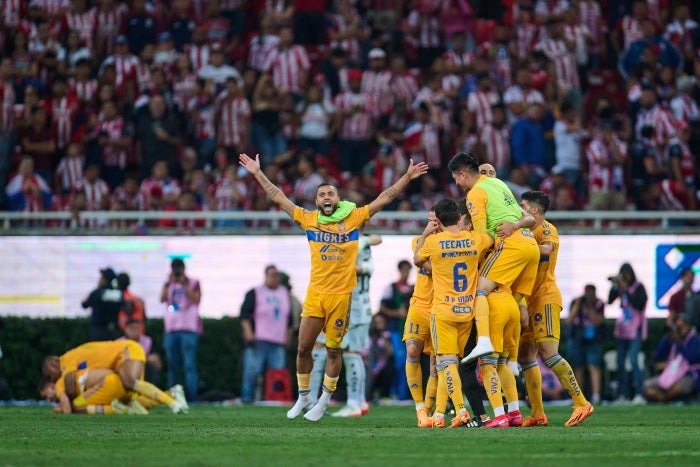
column 357, row 338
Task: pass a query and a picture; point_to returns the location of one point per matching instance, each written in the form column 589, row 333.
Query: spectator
column 317, row 121
column 422, row 137
column 114, row 138
column 394, row 306
column 528, row 145
column 157, row 136
column 586, row 329
column 28, row 191
column 651, row 49
column 216, row 70
column 288, row 64
column 307, row 182
column 681, row 372
column 630, row 329
column 7, row 120
column 232, row 118
column 181, row 295
column 346, row 29
column 230, row 194
column 265, row 121
column 262, row 42
column 95, row 189
column 381, row 358
column 69, row 172
column 140, row 27
column 159, row 184
column 676, row 304
column 494, row 138
column 266, row 320
column 678, row 191
column 568, row 135
column 129, row 195
column 39, row 141
column 606, row 161
column 105, row 301
column 376, row 81
column 556, row 182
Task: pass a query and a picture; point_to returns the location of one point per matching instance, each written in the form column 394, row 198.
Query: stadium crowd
column 145, row 105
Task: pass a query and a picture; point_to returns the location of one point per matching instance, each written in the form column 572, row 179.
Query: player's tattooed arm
column 388, row 195
column 275, row 194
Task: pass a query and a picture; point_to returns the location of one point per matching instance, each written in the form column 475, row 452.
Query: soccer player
column 357, row 338
column 416, row 335
column 125, row 357
column 454, row 255
column 488, row 170
column 86, row 391
column 542, row 335
column 333, row 231
column 513, row 262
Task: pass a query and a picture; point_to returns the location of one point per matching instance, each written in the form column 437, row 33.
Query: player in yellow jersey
column 513, row 261
column 125, row 357
column 454, row 255
column 543, row 333
column 416, row 335
column 332, row 230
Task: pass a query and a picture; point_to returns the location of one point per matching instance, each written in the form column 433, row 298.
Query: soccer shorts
column 131, row 351
column 103, row 393
column 334, row 310
column 449, row 337
column 545, row 324
column 513, row 262
column 417, row 325
column 504, row 322
column 357, row 338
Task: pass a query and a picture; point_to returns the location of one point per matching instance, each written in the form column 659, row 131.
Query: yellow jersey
column 423, row 289
column 455, row 259
column 545, row 290
column 334, row 248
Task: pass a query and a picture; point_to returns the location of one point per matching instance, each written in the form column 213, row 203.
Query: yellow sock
column 414, row 376
column 533, row 385
column 430, row 392
column 481, row 314
column 145, row 401
column 565, row 374
column 492, row 383
column 441, row 395
column 99, row 409
column 329, row 384
column 150, row 391
column 454, row 384
column 510, row 389
column 304, row 383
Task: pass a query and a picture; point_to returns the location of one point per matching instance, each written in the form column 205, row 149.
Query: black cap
column 177, row 263
column 108, row 274
column 123, row 281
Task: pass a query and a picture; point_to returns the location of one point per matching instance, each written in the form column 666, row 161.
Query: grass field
column 614, row 435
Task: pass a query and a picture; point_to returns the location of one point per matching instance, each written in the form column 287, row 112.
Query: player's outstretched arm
column 275, row 194
column 388, row 195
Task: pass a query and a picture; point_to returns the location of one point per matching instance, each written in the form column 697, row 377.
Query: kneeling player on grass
column 454, row 256
column 542, row 334
column 333, row 231
column 125, row 357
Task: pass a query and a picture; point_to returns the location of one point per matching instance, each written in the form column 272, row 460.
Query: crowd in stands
column 145, row 104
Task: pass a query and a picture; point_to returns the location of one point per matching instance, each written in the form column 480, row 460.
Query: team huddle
column 486, row 273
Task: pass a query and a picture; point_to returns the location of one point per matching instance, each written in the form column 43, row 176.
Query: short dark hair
column 537, row 197
column 447, row 211
column 462, row 206
column 403, row 263
column 323, row 184
column 464, row 161
column 685, row 271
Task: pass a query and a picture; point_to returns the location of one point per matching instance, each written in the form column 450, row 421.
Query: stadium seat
column 278, row 385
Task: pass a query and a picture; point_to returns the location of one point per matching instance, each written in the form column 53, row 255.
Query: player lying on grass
column 125, row 357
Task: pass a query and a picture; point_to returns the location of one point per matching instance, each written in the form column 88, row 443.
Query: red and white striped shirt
column 427, row 136
column 517, row 95
column 564, row 61
column 378, row 85
column 526, row 36
column 679, row 149
column 288, row 67
column 590, row 16
column 201, row 111
column 259, row 48
column 357, row 126
column 124, row 66
column 85, row 91
column 70, row 170
column 63, row 112
column 114, row 129
column 199, row 55
column 631, row 30
column 7, row 107
column 601, row 178
column 496, row 143
column 84, row 23
column 351, row 45
column 685, row 108
column 429, row 32
column 579, row 35
column 108, row 24
column 458, row 61
column 661, row 120
column 168, row 187
column 479, row 103
column 404, row 87
column 232, row 117
column 96, row 193
column 12, row 12
column 184, row 88
column 132, row 202
column 226, row 192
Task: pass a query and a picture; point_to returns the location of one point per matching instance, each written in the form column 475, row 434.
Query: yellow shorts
column 513, row 262
column 417, row 325
column 132, row 350
column 449, row 337
column 504, row 322
column 103, row 394
column 545, row 324
column 334, row 310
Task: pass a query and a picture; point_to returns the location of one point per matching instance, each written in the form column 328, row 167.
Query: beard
column 327, row 208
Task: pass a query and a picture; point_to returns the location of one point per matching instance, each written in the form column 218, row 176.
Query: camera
column 616, row 278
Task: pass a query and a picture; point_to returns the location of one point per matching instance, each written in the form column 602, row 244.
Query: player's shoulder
column 548, row 228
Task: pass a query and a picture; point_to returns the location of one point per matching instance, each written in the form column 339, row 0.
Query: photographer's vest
column 273, row 308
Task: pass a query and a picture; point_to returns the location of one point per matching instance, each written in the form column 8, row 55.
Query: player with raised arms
column 333, row 231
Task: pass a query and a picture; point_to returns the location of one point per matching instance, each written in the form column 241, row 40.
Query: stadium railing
column 265, row 222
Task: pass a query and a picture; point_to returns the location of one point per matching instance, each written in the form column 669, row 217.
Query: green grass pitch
column 241, row 436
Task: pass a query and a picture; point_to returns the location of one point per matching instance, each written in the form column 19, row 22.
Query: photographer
column 181, row 295
column 630, row 329
column 680, row 357
column 105, row 302
column 586, row 326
